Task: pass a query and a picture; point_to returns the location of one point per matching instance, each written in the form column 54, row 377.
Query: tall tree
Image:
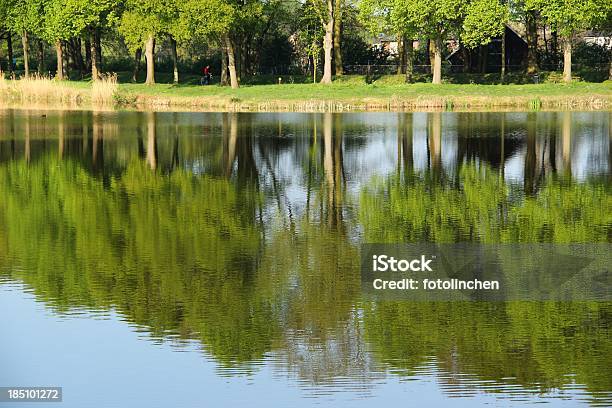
column 338, row 10
column 389, row 16
column 25, row 17
column 41, row 57
column 142, row 23
column 207, row 20
column 531, row 16
column 97, row 15
column 434, row 20
column 327, row 18
column 325, row 11
column 567, row 17
column 62, row 20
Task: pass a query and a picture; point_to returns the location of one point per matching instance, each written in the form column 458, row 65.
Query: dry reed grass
column 39, row 89
column 104, row 90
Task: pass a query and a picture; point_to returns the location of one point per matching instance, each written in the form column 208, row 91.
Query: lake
column 212, row 259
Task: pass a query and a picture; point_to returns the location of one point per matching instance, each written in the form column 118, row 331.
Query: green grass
column 352, row 92
column 387, row 91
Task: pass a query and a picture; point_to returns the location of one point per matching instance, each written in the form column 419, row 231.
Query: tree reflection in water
column 242, row 231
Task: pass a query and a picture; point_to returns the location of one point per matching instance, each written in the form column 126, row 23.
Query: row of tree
column 68, row 23
column 73, row 25
column 477, row 22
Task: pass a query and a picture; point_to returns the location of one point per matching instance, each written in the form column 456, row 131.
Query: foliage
column 569, row 16
column 484, row 20
column 24, row 15
column 142, row 19
column 435, row 20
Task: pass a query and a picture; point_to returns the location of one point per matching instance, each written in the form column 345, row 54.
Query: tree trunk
column 237, row 57
column 150, row 57
column 95, row 58
column 137, row 58
column 41, row 58
column 532, row 42
column 98, row 44
column 429, row 68
column 25, row 41
column 87, row 53
column 328, row 43
column 315, row 61
column 9, row 51
column 408, row 53
column 174, row 60
column 223, row 78
column 231, row 62
column 567, row 59
column 401, row 55
column 436, row 46
column 503, row 56
column 60, row 61
column 64, row 60
column 337, row 38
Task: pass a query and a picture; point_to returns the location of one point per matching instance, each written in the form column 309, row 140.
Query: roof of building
column 507, row 26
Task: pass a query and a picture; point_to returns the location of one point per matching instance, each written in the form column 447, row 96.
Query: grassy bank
column 43, row 92
column 346, row 94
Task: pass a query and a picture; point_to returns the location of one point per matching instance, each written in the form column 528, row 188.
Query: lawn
column 355, row 93
column 350, row 90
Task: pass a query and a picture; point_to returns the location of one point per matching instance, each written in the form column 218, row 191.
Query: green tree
column 567, row 17
column 434, row 20
column 142, row 23
column 98, row 15
column 309, row 37
column 325, row 10
column 485, row 19
column 387, row 16
column 63, row 19
column 25, row 17
column 243, row 22
column 201, row 20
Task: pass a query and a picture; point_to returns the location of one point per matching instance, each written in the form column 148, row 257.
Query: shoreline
column 306, row 97
column 451, row 104
column 352, row 97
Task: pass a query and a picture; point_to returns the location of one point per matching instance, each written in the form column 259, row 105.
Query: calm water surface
column 206, row 260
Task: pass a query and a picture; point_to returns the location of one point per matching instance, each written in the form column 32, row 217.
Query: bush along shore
column 350, row 94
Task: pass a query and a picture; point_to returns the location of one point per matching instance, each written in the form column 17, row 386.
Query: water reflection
column 242, row 232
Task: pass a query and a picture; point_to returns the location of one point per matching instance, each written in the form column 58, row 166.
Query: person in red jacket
column 206, row 75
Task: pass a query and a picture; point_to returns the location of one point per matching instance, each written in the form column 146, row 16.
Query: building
column 598, row 38
column 487, row 58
